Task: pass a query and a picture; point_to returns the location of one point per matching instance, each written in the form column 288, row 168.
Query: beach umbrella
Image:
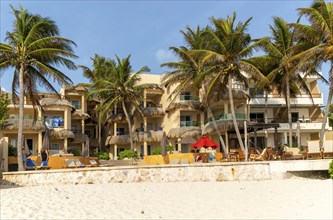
column 187, row 140
column 46, row 140
column 163, row 144
column 204, row 142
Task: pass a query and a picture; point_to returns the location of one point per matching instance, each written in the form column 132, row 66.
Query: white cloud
column 164, row 55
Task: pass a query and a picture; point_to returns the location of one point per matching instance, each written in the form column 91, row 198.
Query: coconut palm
column 285, row 50
column 187, row 69
column 119, row 85
column 229, row 44
column 320, row 34
column 34, row 50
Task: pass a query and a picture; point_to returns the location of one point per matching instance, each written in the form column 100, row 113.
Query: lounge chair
column 314, row 151
column 174, row 161
column 328, row 149
column 294, row 154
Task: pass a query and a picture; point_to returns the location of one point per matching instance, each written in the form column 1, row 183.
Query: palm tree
column 285, row 51
column 119, row 85
column 229, row 45
column 34, row 50
column 320, row 34
column 187, row 69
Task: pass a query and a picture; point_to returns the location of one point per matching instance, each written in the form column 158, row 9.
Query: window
column 256, row 93
column 185, row 96
column 55, row 146
column 13, row 142
column 149, row 126
column 74, row 128
column 185, row 120
column 76, row 104
column 54, row 121
column 294, row 116
column 120, row 131
column 257, row 117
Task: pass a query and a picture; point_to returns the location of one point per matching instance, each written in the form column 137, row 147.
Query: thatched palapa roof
column 148, row 136
column 29, row 124
column 79, row 137
column 153, row 111
column 185, row 105
column 184, row 131
column 80, row 114
column 55, row 101
column 120, row 139
column 222, row 125
column 62, row 133
column 116, row 118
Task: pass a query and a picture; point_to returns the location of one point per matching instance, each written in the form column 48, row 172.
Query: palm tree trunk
column 232, row 107
column 327, row 110
column 218, row 132
column 266, row 118
column 129, row 124
column 21, row 115
column 289, row 112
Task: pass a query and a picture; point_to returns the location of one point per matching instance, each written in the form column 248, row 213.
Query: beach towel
column 30, row 163
column 44, row 163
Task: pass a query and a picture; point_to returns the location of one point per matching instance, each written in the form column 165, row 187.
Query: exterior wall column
column 115, row 153
column 226, row 109
column 285, row 137
column 226, row 140
column 145, row 144
column 82, row 131
column 65, row 144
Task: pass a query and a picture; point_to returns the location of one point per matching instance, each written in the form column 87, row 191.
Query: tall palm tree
column 34, row 50
column 320, row 34
column 119, row 85
column 229, row 45
column 187, row 69
column 285, row 51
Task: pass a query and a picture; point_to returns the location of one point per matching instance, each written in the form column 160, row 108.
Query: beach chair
column 78, row 163
column 259, row 157
column 314, row 151
column 70, row 163
column 328, row 149
column 294, row 154
column 93, row 163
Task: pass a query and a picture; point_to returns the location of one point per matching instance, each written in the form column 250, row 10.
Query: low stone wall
column 237, row 171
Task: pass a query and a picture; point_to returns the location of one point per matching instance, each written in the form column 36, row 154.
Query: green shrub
column 12, row 151
column 102, row 155
column 128, row 154
column 74, row 152
column 158, row 150
column 330, row 170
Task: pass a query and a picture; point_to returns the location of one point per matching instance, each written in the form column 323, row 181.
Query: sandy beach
column 271, row 199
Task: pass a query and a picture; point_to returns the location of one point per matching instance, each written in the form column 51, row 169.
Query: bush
column 158, row 150
column 74, row 152
column 330, row 170
column 128, row 154
column 102, row 155
column 12, row 151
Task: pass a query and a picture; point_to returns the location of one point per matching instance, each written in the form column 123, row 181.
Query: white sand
column 273, row 199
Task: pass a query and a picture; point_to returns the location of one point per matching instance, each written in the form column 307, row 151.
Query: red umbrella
column 204, row 142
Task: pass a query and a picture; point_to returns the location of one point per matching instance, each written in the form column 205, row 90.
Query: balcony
column 121, row 139
column 224, row 122
column 28, row 124
column 277, row 100
column 228, row 116
column 153, row 111
column 148, row 136
column 188, row 98
column 188, row 123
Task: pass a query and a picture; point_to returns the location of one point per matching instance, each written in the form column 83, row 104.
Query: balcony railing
column 188, row 123
column 188, row 98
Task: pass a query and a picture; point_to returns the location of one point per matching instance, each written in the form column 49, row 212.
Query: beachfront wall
column 165, row 173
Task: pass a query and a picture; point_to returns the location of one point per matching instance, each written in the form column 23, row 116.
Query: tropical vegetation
column 34, row 50
column 4, row 102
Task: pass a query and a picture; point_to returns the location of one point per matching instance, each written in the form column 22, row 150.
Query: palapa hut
column 148, row 136
column 121, row 139
column 181, row 132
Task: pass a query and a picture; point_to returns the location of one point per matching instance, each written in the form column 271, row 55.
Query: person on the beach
column 45, row 157
column 25, row 155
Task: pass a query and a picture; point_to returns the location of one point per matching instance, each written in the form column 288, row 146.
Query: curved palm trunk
column 129, row 124
column 327, row 109
column 20, row 128
column 218, row 132
column 289, row 112
column 232, row 107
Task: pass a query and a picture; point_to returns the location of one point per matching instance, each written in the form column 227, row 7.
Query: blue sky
column 144, row 29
